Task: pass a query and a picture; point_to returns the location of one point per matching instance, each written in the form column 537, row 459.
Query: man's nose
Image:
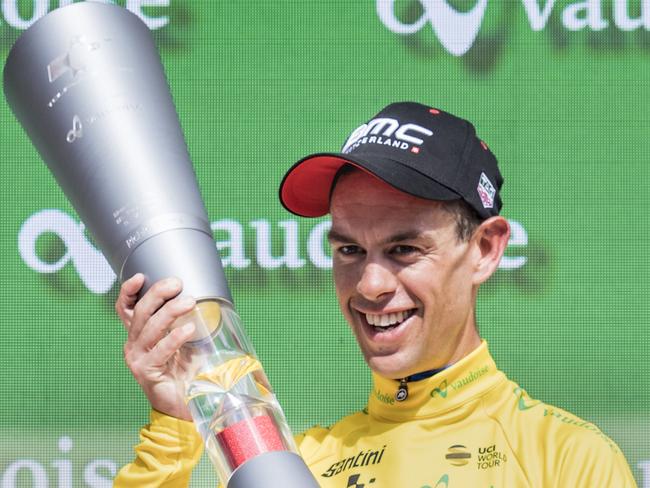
column 376, row 281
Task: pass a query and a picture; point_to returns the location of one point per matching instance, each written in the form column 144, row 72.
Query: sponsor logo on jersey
column 470, row 378
column 458, row 455
column 384, row 397
column 442, row 389
column 353, row 481
column 524, row 402
column 362, row 458
column 488, row 457
column 569, row 419
column 443, row 482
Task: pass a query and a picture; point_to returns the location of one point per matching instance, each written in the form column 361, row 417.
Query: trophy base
column 279, row 469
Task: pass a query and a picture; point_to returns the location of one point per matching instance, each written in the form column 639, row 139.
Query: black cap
column 420, row 150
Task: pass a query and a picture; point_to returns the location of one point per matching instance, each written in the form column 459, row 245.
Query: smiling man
column 403, row 282
column 414, row 201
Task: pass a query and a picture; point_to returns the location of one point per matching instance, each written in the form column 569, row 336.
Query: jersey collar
column 460, row 383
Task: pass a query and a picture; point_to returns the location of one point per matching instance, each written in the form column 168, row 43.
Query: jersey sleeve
column 595, row 464
column 169, row 449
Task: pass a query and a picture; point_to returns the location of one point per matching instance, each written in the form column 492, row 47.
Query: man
column 414, row 201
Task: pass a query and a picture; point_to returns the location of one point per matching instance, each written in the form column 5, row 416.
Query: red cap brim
column 307, row 186
column 305, row 189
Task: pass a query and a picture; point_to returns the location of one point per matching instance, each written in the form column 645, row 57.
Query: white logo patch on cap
column 486, row 191
column 387, row 132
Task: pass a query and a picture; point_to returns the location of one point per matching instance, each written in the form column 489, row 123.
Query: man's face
column 403, row 279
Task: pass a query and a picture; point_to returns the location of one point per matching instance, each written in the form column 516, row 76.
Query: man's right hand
column 151, row 350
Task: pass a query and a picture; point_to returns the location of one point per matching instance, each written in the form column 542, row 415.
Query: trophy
column 87, row 85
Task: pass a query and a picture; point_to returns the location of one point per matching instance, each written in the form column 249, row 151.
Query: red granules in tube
column 248, row 438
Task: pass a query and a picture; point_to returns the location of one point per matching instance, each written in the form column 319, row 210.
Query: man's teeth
column 388, row 319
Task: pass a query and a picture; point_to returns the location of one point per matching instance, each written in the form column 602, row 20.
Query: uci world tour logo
column 457, row 30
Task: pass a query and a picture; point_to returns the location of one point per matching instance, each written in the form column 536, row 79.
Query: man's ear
column 490, row 239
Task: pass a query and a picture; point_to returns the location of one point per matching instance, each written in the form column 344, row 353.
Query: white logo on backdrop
column 457, row 31
column 16, row 19
column 97, row 275
column 90, row 264
column 644, row 466
column 60, row 472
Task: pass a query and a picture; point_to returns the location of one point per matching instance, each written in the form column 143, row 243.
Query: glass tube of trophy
column 228, row 394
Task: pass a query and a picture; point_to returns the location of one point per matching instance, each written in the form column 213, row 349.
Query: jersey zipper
column 403, row 390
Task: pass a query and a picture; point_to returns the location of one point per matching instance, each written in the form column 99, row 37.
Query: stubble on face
column 403, row 280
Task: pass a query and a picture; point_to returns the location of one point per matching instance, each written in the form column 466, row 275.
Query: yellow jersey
column 466, row 426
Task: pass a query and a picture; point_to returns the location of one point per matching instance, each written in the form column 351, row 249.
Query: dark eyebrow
column 409, row 235
column 334, row 235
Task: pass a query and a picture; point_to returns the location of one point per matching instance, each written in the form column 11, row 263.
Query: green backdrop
column 557, row 89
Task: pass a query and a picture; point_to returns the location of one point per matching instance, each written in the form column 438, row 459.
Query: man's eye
column 349, row 250
column 402, row 250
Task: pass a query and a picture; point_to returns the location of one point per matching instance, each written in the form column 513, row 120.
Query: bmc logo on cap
column 388, row 132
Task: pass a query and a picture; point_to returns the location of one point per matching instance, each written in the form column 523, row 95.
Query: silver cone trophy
column 87, row 84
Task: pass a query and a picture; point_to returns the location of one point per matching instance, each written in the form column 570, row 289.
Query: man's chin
column 389, row 365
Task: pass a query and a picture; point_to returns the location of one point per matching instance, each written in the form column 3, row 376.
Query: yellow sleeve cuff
column 169, row 449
